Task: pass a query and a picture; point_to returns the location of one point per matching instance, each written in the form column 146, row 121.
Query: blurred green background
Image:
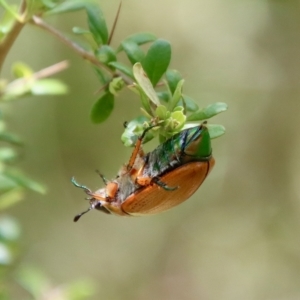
column 238, row 236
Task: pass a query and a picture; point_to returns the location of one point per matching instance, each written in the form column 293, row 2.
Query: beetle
column 159, row 180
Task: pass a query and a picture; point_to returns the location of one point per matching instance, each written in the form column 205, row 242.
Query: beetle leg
column 143, row 181
column 137, row 148
column 164, row 185
column 85, row 188
column 111, row 190
column 102, row 177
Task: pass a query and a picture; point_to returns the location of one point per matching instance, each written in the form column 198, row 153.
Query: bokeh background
column 238, row 236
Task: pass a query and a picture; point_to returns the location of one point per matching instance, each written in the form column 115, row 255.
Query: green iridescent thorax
column 192, row 144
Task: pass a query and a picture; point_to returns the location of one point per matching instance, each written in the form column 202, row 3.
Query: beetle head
column 95, row 200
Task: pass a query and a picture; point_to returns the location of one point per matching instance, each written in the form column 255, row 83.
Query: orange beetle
column 157, row 181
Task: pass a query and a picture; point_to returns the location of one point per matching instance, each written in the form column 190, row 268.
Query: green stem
column 11, row 36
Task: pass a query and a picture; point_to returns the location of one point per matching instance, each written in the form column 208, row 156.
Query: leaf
column 144, row 82
column 102, row 109
column 177, row 95
column 49, row 3
column 133, row 130
column 164, row 96
column 139, row 39
column 157, row 60
column 7, row 154
column 11, row 197
column 173, row 77
column 97, row 24
column 7, row 21
column 10, row 138
column 208, row 112
column 79, row 30
column 106, row 54
column 11, row 9
column 21, row 70
column 48, row 87
column 146, row 109
column 23, row 181
column 34, row 7
column 215, row 130
column 122, row 68
column 190, row 104
column 101, row 75
column 133, row 51
column 68, row 6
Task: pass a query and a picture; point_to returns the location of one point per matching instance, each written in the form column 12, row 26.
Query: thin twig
column 51, row 70
column 115, row 23
column 84, row 54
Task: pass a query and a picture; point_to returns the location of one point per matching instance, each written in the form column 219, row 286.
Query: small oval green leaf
column 145, row 84
column 102, row 109
column 190, row 104
column 21, row 70
column 80, row 31
column 23, row 181
column 215, row 130
column 97, row 24
column 139, row 39
column 208, row 112
column 173, row 77
column 133, row 51
column 122, row 68
column 106, row 54
column 157, row 60
column 177, row 95
column 49, row 87
column 67, row 6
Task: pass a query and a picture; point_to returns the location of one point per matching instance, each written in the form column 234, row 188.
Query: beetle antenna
column 77, row 217
column 85, row 188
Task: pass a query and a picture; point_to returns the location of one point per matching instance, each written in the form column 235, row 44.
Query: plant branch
column 11, row 36
column 80, row 51
column 84, row 54
column 51, row 70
